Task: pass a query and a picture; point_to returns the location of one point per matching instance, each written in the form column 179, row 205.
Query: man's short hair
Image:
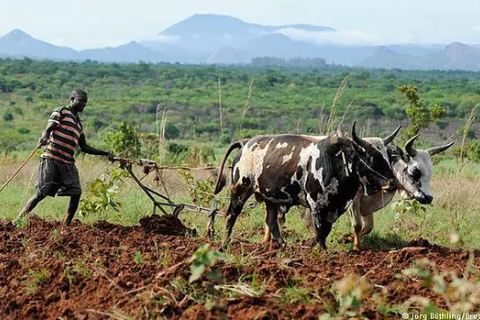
column 78, row 94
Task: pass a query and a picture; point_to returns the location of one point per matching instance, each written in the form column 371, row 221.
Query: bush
column 474, row 151
column 23, row 130
column 8, row 116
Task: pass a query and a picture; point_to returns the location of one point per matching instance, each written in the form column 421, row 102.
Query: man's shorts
column 57, row 178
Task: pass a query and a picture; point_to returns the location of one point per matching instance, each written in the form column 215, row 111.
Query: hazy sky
column 97, row 23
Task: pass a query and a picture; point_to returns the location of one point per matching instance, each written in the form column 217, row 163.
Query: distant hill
column 383, row 57
column 220, row 39
column 460, row 57
column 213, row 25
column 19, row 43
column 211, row 32
column 132, row 52
column 229, row 56
column 456, row 56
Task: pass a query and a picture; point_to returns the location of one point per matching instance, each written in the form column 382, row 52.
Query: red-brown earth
column 107, row 271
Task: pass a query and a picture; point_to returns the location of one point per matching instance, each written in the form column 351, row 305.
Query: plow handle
column 20, row 168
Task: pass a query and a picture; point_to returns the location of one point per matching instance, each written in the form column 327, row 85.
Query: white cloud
column 350, row 37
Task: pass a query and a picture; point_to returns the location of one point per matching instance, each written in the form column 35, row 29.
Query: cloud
column 348, row 37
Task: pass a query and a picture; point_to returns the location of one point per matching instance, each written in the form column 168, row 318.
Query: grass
column 454, row 210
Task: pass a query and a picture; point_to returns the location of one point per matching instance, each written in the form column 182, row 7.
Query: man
column 57, row 173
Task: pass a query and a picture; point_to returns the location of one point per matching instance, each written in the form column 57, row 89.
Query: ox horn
column 435, row 150
column 362, row 143
column 392, row 136
column 409, row 146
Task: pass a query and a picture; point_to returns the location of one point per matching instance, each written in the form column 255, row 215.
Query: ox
column 413, row 170
column 322, row 174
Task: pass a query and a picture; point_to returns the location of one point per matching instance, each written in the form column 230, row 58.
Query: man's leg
column 45, row 186
column 29, row 206
column 72, row 208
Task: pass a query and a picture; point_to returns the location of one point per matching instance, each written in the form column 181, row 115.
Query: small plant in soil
column 138, row 258
column 102, row 193
column 202, row 261
column 36, row 278
column 461, row 294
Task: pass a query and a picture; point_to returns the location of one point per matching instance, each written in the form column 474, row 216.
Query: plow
column 160, row 201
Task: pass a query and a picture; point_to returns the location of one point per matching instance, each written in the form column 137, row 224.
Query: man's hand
column 110, row 156
column 43, row 141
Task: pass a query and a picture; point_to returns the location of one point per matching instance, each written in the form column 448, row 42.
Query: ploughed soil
column 107, row 271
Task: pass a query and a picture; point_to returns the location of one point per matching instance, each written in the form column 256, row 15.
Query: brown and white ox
column 322, row 174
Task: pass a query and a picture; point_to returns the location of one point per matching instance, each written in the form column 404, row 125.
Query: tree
column 420, row 116
column 125, row 141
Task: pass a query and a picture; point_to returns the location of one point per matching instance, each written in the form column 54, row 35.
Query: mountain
column 456, row 56
column 219, row 39
column 229, row 56
column 281, row 46
column 132, row 52
column 211, row 32
column 175, row 53
column 19, row 43
column 416, row 50
column 383, row 57
column 213, row 25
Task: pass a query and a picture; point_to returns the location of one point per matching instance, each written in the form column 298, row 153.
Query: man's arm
column 82, row 142
column 46, row 133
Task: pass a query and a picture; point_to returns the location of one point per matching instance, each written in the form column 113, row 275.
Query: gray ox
column 413, row 170
column 321, row 174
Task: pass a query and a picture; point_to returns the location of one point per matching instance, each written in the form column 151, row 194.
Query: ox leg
column 237, row 201
column 306, row 216
column 322, row 228
column 211, row 220
column 272, row 221
column 267, row 236
column 368, row 225
column 356, row 220
column 282, row 212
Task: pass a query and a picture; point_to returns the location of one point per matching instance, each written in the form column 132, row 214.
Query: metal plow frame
column 152, row 166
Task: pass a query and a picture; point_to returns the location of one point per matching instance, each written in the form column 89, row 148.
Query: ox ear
column 334, row 139
column 392, row 136
column 435, row 150
column 359, row 141
column 409, row 146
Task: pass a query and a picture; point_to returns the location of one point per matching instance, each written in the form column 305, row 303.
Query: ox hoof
column 346, row 238
column 210, row 234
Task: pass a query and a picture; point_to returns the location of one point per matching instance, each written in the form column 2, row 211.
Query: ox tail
column 221, row 178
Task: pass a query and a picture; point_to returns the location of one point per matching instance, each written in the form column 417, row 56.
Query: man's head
column 78, row 100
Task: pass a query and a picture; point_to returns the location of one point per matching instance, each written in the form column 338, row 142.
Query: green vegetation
column 185, row 99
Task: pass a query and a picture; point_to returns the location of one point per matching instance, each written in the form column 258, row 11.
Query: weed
column 296, row 295
column 201, row 192
column 55, row 234
column 36, row 278
column 81, row 268
column 350, row 291
column 461, row 294
column 102, row 193
column 138, row 259
column 202, row 260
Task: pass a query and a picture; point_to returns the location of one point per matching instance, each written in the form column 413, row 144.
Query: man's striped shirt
column 64, row 138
